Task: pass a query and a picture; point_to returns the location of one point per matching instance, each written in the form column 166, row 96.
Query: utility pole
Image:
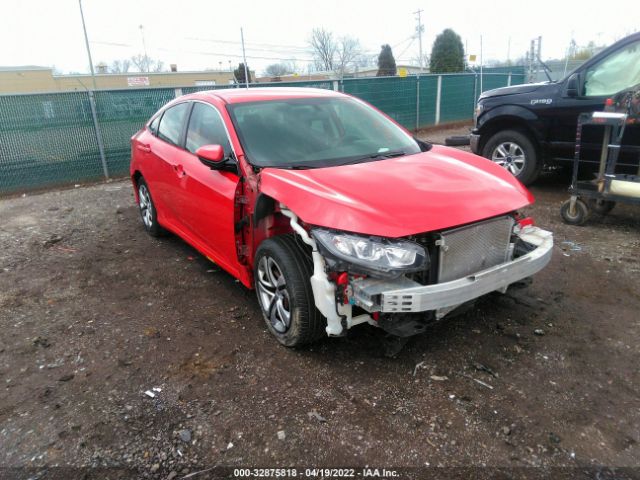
column 419, row 30
column 144, row 48
column 532, row 56
column 92, row 100
column 509, row 52
column 570, row 52
column 244, row 59
column 538, row 56
column 481, row 61
column 86, row 41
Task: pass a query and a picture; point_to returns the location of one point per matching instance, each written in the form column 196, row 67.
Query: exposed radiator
column 472, row 248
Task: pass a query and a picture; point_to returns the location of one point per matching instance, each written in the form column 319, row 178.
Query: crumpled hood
column 429, row 191
column 515, row 89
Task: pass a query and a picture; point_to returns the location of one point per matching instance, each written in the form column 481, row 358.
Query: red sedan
column 334, row 213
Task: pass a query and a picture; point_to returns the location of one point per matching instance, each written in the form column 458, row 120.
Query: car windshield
column 316, row 132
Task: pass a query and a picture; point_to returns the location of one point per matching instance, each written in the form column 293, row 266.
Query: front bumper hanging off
column 405, row 295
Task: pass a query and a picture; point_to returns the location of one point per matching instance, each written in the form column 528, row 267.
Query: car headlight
column 371, row 254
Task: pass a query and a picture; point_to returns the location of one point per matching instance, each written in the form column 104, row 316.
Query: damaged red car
column 331, row 211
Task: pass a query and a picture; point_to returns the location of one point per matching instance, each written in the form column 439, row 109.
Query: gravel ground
column 94, row 313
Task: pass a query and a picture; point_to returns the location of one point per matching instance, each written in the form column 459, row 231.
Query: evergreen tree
column 386, row 62
column 447, row 54
column 239, row 73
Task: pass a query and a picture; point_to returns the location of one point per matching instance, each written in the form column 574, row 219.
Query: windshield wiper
column 296, row 167
column 373, row 156
column 376, row 156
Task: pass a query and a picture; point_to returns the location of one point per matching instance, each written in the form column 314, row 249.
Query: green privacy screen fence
column 54, row 138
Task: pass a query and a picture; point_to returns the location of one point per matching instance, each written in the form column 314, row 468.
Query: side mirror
column 211, row 155
column 573, row 85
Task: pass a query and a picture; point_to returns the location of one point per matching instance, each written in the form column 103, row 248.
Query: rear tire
column 282, row 270
column 515, row 152
column 148, row 211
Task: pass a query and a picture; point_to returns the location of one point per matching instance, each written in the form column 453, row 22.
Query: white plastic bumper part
column 421, row 298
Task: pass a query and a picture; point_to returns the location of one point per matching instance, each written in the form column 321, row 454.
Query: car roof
column 240, row 95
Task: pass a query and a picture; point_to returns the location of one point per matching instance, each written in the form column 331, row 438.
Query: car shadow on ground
column 363, row 342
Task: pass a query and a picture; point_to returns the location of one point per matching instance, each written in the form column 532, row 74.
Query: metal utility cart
column 609, row 187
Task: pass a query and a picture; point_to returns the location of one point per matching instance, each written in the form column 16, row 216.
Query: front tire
column 515, row 152
column 281, row 276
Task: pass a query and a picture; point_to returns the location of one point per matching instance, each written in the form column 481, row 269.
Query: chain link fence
column 64, row 138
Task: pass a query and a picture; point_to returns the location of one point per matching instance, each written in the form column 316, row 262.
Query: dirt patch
column 94, row 313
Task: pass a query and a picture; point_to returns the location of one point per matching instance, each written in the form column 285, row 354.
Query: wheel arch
column 511, row 117
column 267, row 221
column 508, row 122
column 135, row 178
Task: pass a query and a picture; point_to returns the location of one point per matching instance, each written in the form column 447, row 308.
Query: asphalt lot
column 94, row 313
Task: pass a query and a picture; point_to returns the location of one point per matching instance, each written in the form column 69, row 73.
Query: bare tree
column 324, row 49
column 120, row 66
column 366, row 60
column 336, row 55
column 279, row 69
column 347, row 53
column 144, row 63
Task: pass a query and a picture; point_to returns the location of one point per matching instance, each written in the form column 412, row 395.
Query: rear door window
column 172, row 123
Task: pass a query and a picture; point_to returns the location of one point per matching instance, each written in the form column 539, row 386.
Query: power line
column 271, row 48
column 407, row 47
column 216, row 54
column 233, row 42
column 207, row 53
column 410, row 38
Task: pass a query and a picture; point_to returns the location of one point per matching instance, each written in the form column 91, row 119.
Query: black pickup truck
column 526, row 127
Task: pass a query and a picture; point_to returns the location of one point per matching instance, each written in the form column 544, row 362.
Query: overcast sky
column 199, row 34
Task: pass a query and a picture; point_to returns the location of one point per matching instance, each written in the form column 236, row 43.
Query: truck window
column 617, row 72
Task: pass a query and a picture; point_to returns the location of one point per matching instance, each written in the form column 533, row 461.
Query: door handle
column 144, row 148
column 179, row 169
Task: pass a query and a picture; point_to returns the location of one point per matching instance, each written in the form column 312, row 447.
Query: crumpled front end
column 406, row 295
column 456, row 267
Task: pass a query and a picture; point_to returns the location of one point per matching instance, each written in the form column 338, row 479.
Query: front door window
column 615, row 73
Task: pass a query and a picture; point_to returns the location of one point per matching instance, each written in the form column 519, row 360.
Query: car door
column 208, row 209
column 562, row 118
column 601, row 80
column 166, row 152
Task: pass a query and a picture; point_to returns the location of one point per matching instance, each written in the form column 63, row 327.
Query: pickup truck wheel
column 148, row 210
column 514, row 151
column 281, row 275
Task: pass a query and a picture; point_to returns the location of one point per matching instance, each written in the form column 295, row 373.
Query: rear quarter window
column 153, row 126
